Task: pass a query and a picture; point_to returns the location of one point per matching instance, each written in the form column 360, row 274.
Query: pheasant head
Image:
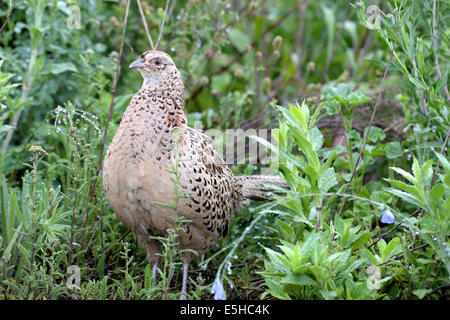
column 158, row 70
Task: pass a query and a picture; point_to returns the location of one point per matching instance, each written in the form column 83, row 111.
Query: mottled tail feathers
column 255, row 187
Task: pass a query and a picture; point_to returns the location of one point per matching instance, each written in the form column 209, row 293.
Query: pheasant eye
column 157, row 62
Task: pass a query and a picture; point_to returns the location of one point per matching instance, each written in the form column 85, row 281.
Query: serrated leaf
column 404, row 196
column 405, row 174
column 406, row 187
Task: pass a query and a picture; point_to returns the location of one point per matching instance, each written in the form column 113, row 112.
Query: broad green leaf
column 316, row 138
column 417, row 172
column 447, row 179
column 239, row 39
column 393, row 150
column 427, row 172
column 57, row 68
column 420, row 293
column 362, row 240
column 370, row 258
column 390, row 249
column 438, row 191
column 301, row 116
column 299, row 280
column 327, row 180
column 376, row 134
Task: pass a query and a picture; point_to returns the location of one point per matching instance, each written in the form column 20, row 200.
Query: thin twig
column 74, row 210
column 9, row 13
column 385, row 234
column 390, row 231
column 111, row 107
column 145, row 24
column 162, row 24
column 444, row 286
column 370, row 123
column 398, row 256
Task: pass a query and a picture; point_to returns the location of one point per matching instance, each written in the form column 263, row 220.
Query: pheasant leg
column 184, row 283
column 154, row 269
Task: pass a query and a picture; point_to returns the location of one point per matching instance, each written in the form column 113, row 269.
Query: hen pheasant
column 153, row 140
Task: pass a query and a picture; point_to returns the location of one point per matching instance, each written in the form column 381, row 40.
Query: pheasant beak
column 139, row 63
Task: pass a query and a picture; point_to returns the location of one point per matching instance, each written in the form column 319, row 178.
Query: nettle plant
column 318, row 254
column 323, row 255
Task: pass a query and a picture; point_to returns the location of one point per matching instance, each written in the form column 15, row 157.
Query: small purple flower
column 387, row 217
column 217, row 289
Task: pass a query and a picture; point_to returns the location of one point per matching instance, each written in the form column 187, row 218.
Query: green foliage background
column 314, row 71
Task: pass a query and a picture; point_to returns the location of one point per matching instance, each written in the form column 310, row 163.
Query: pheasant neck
column 168, row 99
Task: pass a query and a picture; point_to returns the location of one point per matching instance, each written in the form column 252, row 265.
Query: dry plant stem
column 385, row 234
column 144, row 22
column 162, row 24
column 111, row 106
column 9, row 13
column 370, row 123
column 74, row 210
column 34, row 223
column 101, row 228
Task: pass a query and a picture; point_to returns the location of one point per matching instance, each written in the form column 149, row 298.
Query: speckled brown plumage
column 152, row 138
